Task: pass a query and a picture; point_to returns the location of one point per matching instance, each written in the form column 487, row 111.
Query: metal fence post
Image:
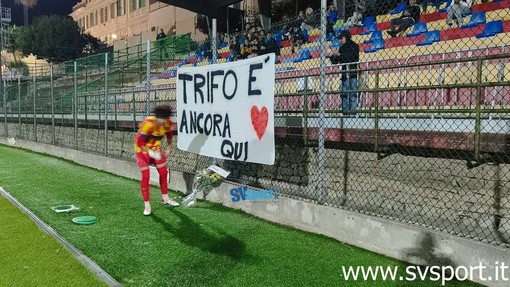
column 106, row 104
column 322, row 106
column 214, row 40
column 148, row 80
column 5, row 110
column 19, row 107
column 376, row 115
column 34, row 107
column 52, row 99
column 75, row 106
column 478, row 108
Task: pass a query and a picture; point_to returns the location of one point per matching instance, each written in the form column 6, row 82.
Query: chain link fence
column 407, row 124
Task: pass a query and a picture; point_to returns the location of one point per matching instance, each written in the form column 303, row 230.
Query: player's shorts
column 144, row 160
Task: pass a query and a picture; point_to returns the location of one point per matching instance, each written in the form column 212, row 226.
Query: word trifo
column 226, row 111
column 243, row 193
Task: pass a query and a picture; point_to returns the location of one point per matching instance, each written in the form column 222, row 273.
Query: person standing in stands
column 161, row 35
column 409, row 17
column 359, row 10
column 271, row 45
column 348, row 55
column 159, row 38
column 457, row 10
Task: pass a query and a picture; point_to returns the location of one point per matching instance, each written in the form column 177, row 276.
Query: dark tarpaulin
column 211, row 8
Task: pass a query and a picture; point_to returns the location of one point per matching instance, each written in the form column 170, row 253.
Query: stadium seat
column 430, row 38
column 369, row 20
column 491, row 29
column 305, row 55
column 370, row 29
column 400, row 8
column 307, row 37
column 418, row 29
column 376, row 46
column 476, row 19
column 377, row 35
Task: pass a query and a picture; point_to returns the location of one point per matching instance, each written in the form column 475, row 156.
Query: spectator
column 311, row 20
column 299, row 21
column 410, row 16
column 235, row 47
column 161, row 45
column 161, row 35
column 457, row 10
column 332, row 14
column 359, row 10
column 348, row 53
column 271, row 45
column 297, row 38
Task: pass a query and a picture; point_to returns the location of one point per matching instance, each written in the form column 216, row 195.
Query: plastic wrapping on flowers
column 204, row 181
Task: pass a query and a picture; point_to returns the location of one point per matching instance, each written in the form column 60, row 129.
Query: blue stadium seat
column 476, row 19
column 377, row 35
column 305, row 55
column 305, row 33
column 369, row 20
column 400, row 8
column 491, row 29
column 230, row 59
column 430, row 38
column 370, row 29
column 376, row 46
column 418, row 29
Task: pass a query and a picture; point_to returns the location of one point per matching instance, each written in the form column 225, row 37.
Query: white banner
column 226, row 111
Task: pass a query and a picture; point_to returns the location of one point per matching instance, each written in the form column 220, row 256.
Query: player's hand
column 167, row 153
column 155, row 154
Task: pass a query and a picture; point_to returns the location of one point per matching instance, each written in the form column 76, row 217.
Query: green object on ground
column 85, row 220
column 30, row 257
column 209, row 245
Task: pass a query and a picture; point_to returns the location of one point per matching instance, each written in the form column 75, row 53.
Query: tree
column 27, row 4
column 12, row 41
column 56, row 39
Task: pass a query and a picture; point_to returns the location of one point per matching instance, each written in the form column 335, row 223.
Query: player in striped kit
column 148, row 151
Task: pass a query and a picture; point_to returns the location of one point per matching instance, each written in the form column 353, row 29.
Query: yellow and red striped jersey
column 152, row 133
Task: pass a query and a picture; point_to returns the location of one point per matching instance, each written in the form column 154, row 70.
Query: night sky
column 44, row 7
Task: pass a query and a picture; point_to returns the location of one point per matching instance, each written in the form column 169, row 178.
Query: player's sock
column 144, row 183
column 163, row 181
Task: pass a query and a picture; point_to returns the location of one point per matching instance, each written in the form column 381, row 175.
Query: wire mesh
column 414, row 125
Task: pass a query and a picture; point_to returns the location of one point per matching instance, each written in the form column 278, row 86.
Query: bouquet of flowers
column 204, row 181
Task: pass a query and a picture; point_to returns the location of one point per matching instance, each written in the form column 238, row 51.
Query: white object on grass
column 11, row 141
column 64, row 208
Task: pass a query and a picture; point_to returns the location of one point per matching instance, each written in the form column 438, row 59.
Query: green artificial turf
column 30, row 257
column 209, row 245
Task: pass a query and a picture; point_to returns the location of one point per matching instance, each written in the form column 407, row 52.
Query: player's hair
column 162, row 112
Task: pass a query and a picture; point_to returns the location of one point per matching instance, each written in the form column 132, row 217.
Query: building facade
column 134, row 21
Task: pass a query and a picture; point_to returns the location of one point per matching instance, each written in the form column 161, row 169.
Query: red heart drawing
column 259, row 120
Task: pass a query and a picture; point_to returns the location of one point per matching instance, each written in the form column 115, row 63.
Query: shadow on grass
column 191, row 233
column 222, row 253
